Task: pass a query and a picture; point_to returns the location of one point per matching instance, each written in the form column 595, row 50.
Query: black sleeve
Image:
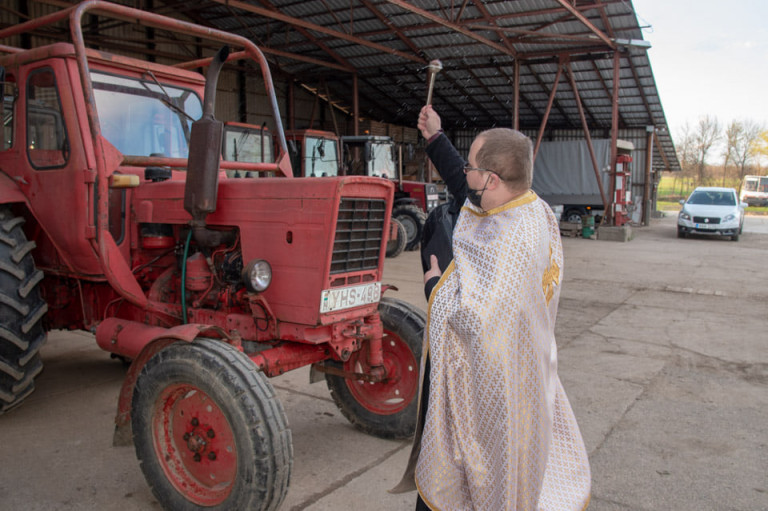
column 430, row 285
column 450, row 166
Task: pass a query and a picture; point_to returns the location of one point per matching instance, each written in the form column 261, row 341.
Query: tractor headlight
column 257, row 276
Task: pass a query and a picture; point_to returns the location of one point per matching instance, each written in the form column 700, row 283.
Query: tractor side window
column 47, row 143
column 9, row 96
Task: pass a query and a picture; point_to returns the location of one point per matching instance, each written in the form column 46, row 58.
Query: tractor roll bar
column 118, row 274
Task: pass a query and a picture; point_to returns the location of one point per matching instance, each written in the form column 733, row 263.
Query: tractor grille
column 358, row 235
column 706, row 220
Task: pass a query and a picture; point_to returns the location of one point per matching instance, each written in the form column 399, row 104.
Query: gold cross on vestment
column 551, row 278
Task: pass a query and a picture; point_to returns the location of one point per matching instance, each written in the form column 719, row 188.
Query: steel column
column 614, row 132
column 647, row 184
column 516, row 95
column 548, row 110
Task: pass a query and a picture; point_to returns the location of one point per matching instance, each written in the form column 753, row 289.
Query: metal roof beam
column 641, row 90
column 296, row 22
column 579, row 16
column 338, row 58
column 392, row 28
column 453, row 26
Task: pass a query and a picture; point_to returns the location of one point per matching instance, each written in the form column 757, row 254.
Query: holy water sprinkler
column 434, row 67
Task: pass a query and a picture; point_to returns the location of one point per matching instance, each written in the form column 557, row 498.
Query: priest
column 496, row 430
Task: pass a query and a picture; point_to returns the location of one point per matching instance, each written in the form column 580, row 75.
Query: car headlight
column 684, row 215
column 730, row 218
column 257, row 276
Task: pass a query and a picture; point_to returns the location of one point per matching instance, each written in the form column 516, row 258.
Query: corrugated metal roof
column 388, row 43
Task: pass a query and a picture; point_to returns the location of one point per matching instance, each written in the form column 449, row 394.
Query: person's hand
column 434, row 269
column 429, row 122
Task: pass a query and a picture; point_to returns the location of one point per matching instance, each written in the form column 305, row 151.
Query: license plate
column 348, row 297
column 432, row 196
column 706, row 226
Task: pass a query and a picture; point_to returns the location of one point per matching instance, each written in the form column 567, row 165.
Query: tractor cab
column 374, row 156
column 314, row 153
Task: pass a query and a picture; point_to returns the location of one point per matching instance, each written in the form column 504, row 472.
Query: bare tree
column 687, row 155
column 707, row 133
column 686, row 148
column 745, row 147
column 733, row 136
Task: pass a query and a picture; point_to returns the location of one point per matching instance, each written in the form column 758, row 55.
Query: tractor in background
column 317, row 153
column 380, row 156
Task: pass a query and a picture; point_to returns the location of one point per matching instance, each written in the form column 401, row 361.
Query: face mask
column 476, row 196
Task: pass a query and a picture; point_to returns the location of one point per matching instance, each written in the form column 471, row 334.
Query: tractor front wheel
column 209, row 431
column 413, row 220
column 385, row 409
column 396, row 247
column 21, row 313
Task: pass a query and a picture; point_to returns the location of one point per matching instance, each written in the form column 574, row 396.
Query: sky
column 708, row 57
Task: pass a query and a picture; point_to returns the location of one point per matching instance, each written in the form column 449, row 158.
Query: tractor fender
column 9, row 190
column 125, row 337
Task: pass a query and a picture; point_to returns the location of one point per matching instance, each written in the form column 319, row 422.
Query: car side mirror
column 743, row 204
column 682, row 202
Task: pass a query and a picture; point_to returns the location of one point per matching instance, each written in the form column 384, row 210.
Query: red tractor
column 118, row 216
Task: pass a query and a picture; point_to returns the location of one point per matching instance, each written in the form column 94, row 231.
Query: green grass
column 667, row 205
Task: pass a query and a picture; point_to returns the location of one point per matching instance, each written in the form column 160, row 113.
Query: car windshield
column 144, row 118
column 712, row 198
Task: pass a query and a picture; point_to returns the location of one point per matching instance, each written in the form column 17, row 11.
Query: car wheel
column 573, row 215
column 735, row 237
column 680, row 232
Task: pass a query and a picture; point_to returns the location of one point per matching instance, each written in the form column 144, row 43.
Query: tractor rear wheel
column 21, row 313
column 413, row 220
column 386, row 409
column 209, row 431
column 396, row 247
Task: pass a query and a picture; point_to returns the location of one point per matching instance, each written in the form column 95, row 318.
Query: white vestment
column 499, row 432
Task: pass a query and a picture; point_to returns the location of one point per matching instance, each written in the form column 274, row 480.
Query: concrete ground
column 662, row 353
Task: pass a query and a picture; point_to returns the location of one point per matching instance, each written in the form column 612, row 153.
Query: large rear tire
column 413, row 220
column 396, row 247
column 386, row 409
column 21, row 313
column 209, row 431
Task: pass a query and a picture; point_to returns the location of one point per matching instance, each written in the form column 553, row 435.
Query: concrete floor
column 662, row 353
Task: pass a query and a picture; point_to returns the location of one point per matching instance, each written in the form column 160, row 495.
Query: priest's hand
column 429, row 122
column 434, row 269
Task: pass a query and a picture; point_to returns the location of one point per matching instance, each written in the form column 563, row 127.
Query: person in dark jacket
column 438, row 229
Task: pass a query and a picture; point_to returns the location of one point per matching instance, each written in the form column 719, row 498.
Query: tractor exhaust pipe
column 434, row 67
column 204, row 153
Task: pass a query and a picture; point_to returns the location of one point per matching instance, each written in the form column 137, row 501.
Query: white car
column 712, row 211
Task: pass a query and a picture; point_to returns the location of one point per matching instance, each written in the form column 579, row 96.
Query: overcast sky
column 708, row 57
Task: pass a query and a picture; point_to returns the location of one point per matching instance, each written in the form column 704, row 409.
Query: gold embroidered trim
column 526, row 198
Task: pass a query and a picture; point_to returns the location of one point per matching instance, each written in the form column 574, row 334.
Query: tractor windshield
column 144, row 117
